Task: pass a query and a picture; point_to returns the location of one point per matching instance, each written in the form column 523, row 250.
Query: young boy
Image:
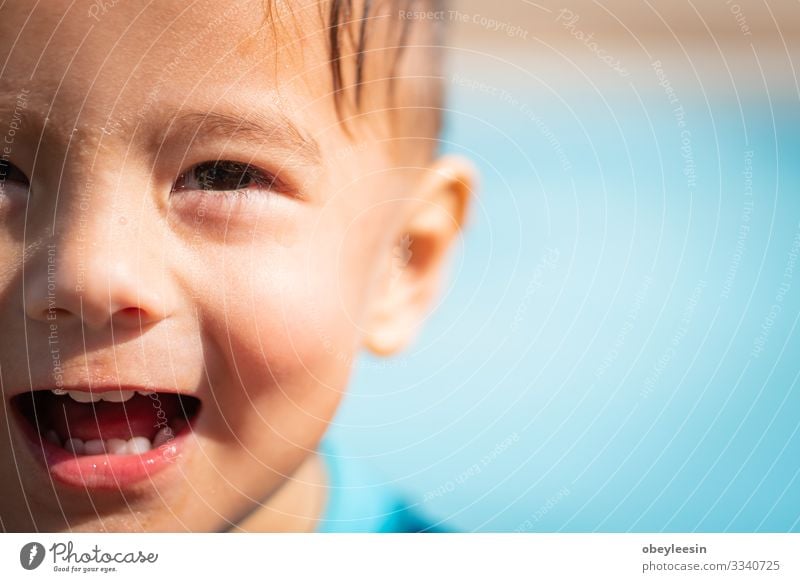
column 201, row 205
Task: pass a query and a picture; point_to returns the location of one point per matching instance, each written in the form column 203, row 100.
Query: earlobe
column 436, row 216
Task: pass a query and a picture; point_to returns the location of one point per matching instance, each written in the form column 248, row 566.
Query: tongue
column 138, row 417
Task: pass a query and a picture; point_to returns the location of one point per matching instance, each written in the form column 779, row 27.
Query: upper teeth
column 112, row 396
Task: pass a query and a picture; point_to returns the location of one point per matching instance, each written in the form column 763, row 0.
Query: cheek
column 358, row 259
column 284, row 314
column 283, row 320
column 279, row 353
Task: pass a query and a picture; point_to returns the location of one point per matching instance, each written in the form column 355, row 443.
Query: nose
column 96, row 282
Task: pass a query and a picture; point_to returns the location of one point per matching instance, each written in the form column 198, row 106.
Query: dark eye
column 12, row 177
column 225, row 176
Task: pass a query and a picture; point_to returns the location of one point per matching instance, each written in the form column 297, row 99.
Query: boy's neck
column 296, row 507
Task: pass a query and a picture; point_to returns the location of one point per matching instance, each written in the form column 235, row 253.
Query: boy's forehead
column 109, row 55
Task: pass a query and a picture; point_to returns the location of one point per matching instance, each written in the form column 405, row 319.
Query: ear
column 434, row 220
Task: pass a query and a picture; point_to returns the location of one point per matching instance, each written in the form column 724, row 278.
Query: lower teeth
column 133, row 446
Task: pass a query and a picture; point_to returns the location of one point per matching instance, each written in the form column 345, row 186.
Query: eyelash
column 247, row 178
column 11, row 173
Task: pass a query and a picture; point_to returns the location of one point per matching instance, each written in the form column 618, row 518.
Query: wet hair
column 392, row 43
column 343, row 21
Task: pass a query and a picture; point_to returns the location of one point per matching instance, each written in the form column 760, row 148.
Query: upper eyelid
column 268, row 132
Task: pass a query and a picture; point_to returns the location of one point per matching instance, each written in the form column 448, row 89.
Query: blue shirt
column 356, row 504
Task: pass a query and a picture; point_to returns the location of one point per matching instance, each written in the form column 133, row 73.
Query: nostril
column 56, row 313
column 130, row 314
column 130, row 311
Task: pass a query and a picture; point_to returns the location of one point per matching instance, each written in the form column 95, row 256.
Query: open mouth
column 105, row 438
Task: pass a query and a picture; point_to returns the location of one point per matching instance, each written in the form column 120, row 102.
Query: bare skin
column 255, row 300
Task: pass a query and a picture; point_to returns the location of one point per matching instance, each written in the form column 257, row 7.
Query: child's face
column 134, row 261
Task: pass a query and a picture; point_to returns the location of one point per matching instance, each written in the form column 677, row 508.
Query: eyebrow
column 274, row 130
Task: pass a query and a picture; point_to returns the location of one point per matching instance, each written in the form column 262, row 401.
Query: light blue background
column 615, row 387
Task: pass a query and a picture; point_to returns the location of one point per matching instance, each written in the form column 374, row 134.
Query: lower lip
column 109, row 472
